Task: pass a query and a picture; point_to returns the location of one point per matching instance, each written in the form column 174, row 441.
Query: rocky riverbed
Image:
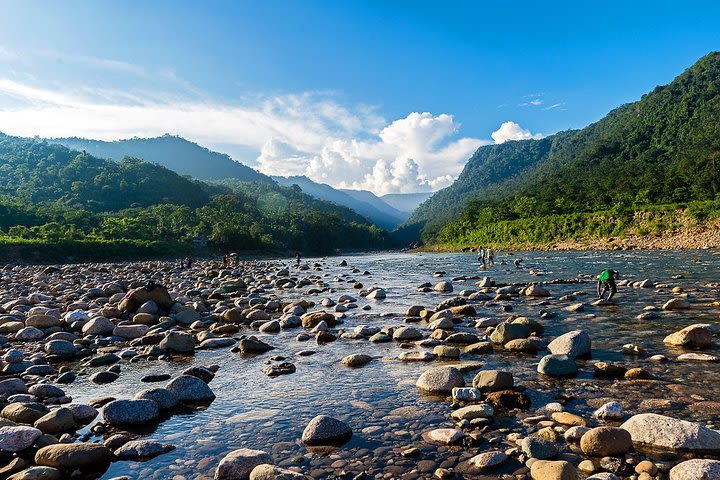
column 369, row 366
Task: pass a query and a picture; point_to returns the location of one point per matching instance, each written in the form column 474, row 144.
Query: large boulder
column 326, row 431
column 575, row 344
column 440, row 380
column 188, row 388
column 130, row 412
column 659, row 431
column 59, row 420
column 693, row 336
column 16, row 439
column 137, row 297
column 696, row 469
column 73, row 455
column 238, row 464
column 493, row 380
column 506, row 332
column 557, row 366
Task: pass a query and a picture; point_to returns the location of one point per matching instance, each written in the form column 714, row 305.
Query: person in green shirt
column 606, row 282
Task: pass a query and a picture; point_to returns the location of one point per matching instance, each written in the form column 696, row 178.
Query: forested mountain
column 664, row 148
column 51, row 194
column 173, row 152
column 363, row 202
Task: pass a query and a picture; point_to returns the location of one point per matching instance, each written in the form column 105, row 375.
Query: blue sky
column 389, row 96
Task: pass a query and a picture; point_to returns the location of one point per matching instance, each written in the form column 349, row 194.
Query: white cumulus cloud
column 512, row 131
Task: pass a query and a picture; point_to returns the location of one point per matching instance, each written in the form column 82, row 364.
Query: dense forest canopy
column 51, row 193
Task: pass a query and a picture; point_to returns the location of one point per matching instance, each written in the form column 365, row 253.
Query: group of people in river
column 486, row 257
column 186, row 263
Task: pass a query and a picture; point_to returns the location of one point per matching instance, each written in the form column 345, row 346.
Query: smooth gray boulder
column 659, row 431
column 326, row 431
column 574, row 344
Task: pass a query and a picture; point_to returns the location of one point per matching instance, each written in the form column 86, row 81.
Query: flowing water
column 379, row 400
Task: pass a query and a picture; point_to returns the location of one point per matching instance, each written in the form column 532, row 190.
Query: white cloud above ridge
column 309, row 133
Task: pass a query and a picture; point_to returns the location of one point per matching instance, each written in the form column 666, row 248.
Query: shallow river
column 380, row 402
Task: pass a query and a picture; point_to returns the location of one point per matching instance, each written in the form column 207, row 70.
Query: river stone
column 142, row 450
column 24, row 412
column 188, row 388
column 238, row 464
column 104, row 377
column 488, row 460
column 569, row 419
column 61, row 348
column 46, row 390
column 29, row 333
column 131, row 331
column 537, row 447
column 178, row 342
column 57, row 421
column 43, row 321
column 356, row 360
column 696, row 469
column 12, row 386
column 440, row 380
column 271, row 472
column 605, row 442
column 467, row 394
column 612, row 411
column 82, row 413
column 676, row 304
column 311, row 320
column 130, row 412
column 187, row 317
column 443, row 287
column 471, row 412
column 549, row 470
column 493, row 380
column 252, row 345
column 37, row 473
column 557, row 366
column 574, row 344
column 98, row 326
column 416, row 356
column 407, row 333
column 162, row 396
column 574, row 434
column 326, row 431
column 377, row 294
column 505, row 332
column 16, row 439
column 73, row 455
column 445, row 436
column 536, row 291
column 693, row 336
column 663, row 432
column 222, row 342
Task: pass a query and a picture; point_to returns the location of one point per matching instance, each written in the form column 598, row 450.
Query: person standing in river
column 297, row 258
column 481, row 257
column 490, row 257
column 606, row 282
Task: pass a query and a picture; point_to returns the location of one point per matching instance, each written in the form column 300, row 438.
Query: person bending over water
column 517, row 262
column 606, row 283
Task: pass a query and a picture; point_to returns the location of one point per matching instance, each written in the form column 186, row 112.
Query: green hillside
column 663, row 149
column 58, row 203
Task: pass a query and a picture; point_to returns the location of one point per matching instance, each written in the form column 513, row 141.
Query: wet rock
column 142, row 450
column 61, row 348
column 16, row 439
column 508, row 399
column 605, row 441
column 238, row 464
column 440, row 380
column 467, row 394
column 522, row 345
column 37, row 473
column 696, row 469
column 567, row 418
column 609, row 370
column 164, row 398
column 252, row 345
column 574, row 434
column 693, row 336
column 557, row 366
column 416, row 356
column 284, row 368
column 104, row 377
column 488, row 460
column 505, row 332
column 73, row 455
column 493, row 380
column 12, row 386
column 24, row 412
column 443, row 287
column 574, row 344
column 663, row 432
column 407, row 334
column 178, row 342
column 311, row 320
column 98, row 326
column 479, row 348
column 536, row 291
column 446, row 351
column 188, row 388
column 326, row 431
column 82, row 413
column 356, row 360
column 676, row 304
column 29, row 333
column 130, row 412
column 549, row 470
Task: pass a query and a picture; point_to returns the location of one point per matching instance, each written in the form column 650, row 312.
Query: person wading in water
column 606, row 283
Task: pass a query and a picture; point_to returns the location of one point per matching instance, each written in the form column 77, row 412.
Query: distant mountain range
column 188, row 158
column 175, row 153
